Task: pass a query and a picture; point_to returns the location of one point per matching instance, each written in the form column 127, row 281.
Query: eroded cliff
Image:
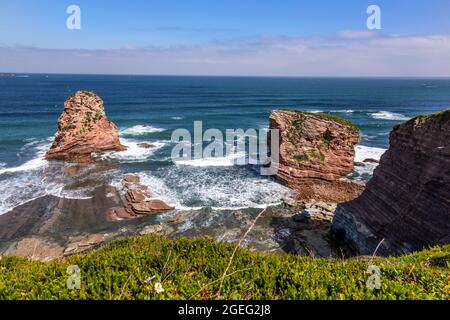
column 406, row 205
column 316, row 153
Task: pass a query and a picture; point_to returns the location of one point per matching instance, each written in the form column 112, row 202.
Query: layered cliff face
column 407, row 202
column 316, row 152
column 83, row 129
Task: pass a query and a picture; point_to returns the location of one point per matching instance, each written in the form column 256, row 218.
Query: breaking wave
column 218, row 188
column 386, row 115
column 140, row 130
column 134, row 153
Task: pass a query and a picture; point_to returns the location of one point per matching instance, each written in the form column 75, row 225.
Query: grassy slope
column 119, row 271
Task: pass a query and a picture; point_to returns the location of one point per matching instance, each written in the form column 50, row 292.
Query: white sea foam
column 15, row 192
column 134, row 153
column 29, row 165
column 177, row 118
column 37, row 162
column 219, row 189
column 364, row 170
column 315, row 111
column 363, row 152
column 140, row 130
column 386, row 115
column 343, row 111
column 227, row 161
column 32, row 179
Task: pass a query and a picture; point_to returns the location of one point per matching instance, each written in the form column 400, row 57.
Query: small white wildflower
column 158, row 287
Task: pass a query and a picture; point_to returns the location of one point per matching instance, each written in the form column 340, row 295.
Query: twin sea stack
column 83, row 130
column 317, row 152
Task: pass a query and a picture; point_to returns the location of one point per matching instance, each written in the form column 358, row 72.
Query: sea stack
column 316, row 154
column 83, row 130
column 406, row 205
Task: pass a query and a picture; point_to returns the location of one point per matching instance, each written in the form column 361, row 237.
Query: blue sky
column 222, row 33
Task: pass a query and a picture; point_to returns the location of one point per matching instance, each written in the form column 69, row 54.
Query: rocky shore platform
column 51, row 227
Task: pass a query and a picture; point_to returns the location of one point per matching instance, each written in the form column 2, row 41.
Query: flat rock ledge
column 137, row 201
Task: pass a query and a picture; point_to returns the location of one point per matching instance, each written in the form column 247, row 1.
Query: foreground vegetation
column 133, row 268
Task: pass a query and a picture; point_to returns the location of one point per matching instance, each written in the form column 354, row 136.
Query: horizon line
column 230, row 76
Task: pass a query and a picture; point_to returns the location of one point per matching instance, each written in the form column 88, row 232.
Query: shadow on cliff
column 305, row 233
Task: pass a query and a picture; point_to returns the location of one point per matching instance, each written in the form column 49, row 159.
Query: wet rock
column 134, row 196
column 136, row 201
column 370, row 160
column 289, row 201
column 84, row 244
column 35, row 248
column 131, row 178
column 178, row 218
column 150, row 207
column 72, row 170
column 146, row 145
column 152, row 229
column 119, row 213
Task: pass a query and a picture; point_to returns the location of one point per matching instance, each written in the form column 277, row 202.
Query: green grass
column 441, row 114
column 440, row 117
column 191, row 269
column 329, row 117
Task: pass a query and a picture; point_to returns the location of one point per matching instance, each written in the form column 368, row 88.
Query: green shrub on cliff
column 329, row 117
column 130, row 268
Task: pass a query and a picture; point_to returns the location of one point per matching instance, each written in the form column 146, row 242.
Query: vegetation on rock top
column 328, row 117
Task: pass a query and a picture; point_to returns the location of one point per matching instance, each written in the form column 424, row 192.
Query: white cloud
column 349, row 53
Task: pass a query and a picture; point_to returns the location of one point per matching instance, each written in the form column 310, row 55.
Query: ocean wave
column 177, row 118
column 27, row 166
column 39, row 147
column 227, row 161
column 217, row 188
column 363, row 171
column 364, row 152
column 134, row 153
column 19, row 190
column 342, row 111
column 140, row 130
column 314, row 111
column 386, row 115
column 35, row 178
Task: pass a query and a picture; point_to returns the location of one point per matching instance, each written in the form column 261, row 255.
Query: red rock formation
column 146, row 145
column 83, row 129
column 316, row 152
column 136, row 201
column 407, row 202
